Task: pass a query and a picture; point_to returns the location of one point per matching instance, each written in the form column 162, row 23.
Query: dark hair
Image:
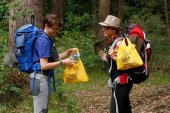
column 116, row 29
column 52, row 20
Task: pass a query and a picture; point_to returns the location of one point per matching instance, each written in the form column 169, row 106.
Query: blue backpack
column 24, row 39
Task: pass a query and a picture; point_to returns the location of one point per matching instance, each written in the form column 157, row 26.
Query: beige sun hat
column 111, row 21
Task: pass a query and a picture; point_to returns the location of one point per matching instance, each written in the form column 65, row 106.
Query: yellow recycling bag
column 76, row 72
column 127, row 56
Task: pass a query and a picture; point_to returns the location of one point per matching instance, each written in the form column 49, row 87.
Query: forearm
column 45, row 65
column 63, row 55
column 50, row 65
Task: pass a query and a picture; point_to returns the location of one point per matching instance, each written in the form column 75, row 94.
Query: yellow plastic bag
column 76, row 72
column 127, row 56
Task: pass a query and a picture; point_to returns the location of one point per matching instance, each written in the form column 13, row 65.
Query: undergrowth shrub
column 79, row 23
column 3, row 14
column 10, row 82
column 84, row 41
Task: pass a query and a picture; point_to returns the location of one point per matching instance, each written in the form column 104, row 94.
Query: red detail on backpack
column 123, row 79
column 148, row 51
column 137, row 31
column 140, row 74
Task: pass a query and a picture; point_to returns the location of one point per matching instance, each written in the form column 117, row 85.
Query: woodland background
column 81, row 30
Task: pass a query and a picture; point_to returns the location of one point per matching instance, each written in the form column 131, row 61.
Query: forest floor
column 94, row 97
column 145, row 99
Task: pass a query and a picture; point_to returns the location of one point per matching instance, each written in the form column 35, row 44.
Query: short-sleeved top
column 43, row 48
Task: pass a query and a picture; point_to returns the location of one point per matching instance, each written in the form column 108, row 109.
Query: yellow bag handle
column 127, row 56
column 126, row 42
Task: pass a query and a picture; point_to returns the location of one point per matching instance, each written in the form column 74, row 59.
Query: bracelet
column 60, row 62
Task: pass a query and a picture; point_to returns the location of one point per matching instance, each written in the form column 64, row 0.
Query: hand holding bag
column 76, row 72
column 127, row 56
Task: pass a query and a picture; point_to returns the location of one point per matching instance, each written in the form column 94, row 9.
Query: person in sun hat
column 111, row 27
column 119, row 81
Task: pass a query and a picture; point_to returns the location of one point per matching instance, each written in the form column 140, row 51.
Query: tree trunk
column 58, row 8
column 121, row 9
column 37, row 10
column 94, row 15
column 104, row 11
column 36, row 7
column 167, row 18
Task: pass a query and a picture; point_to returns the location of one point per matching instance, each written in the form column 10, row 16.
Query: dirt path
column 153, row 99
column 150, row 99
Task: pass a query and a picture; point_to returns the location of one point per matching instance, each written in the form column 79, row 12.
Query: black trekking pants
column 120, row 102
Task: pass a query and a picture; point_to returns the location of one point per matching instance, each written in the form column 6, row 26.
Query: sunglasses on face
column 106, row 28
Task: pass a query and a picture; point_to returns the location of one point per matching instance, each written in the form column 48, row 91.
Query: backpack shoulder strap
column 33, row 20
column 114, row 43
